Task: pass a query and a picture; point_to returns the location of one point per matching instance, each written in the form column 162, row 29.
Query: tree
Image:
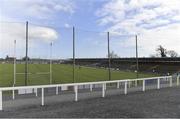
column 24, row 58
column 172, row 53
column 161, row 51
column 113, row 55
column 7, row 57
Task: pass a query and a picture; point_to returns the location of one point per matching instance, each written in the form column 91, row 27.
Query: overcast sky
column 157, row 22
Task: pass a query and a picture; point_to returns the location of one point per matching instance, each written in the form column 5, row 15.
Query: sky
column 155, row 22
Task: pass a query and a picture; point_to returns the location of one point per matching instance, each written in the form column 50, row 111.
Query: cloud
column 42, row 33
column 66, row 25
column 16, row 31
column 157, row 22
column 36, row 11
column 36, row 8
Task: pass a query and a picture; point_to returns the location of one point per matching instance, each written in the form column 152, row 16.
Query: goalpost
column 14, row 76
column 14, row 82
column 27, row 73
column 50, row 63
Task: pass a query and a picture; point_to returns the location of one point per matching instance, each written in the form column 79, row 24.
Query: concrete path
column 151, row 103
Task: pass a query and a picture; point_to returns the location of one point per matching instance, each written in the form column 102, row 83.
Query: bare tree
column 172, row 53
column 24, row 58
column 7, row 57
column 161, row 51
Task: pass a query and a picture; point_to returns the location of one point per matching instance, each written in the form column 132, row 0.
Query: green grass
column 61, row 74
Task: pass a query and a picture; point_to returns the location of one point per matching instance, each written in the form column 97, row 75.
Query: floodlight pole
column 14, row 82
column 50, row 68
column 109, row 59
column 73, row 54
column 137, row 64
column 26, row 62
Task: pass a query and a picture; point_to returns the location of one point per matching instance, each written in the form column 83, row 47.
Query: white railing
column 75, row 85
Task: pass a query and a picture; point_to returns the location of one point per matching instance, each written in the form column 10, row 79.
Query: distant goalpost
column 15, row 73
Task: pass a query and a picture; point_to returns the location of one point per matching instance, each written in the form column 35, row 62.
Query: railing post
column 13, row 94
column 178, row 80
column 105, row 86
column 56, row 90
column 125, row 87
column 91, row 87
column 76, row 92
column 103, row 90
column 129, row 84
column 117, row 84
column 0, row 99
column 170, row 81
column 42, row 98
column 136, row 82
column 36, row 91
column 158, row 83
column 144, row 85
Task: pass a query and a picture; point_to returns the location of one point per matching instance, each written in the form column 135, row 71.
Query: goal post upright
column 14, row 70
column 50, row 63
column 137, row 62
column 14, row 81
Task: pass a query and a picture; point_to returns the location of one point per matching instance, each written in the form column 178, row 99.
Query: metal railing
column 75, row 85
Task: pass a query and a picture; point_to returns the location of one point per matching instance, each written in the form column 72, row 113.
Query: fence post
column 178, row 80
column 125, row 87
column 103, row 90
column 170, row 81
column 42, row 98
column 117, row 84
column 26, row 57
column 144, row 85
column 13, row 94
column 74, row 60
column 109, row 58
column 76, row 92
column 158, row 83
column 0, row 99
column 56, row 90
column 105, row 86
column 91, row 87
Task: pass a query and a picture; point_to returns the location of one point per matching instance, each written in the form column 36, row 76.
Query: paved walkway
column 152, row 103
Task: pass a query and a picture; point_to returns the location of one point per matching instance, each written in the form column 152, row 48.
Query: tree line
column 160, row 52
column 163, row 52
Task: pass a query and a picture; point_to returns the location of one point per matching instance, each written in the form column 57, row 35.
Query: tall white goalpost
column 50, row 64
column 14, row 70
column 14, row 76
column 50, row 68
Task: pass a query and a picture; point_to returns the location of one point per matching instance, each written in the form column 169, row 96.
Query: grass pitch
column 61, row 73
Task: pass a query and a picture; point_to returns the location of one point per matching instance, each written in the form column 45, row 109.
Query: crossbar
column 33, row 73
